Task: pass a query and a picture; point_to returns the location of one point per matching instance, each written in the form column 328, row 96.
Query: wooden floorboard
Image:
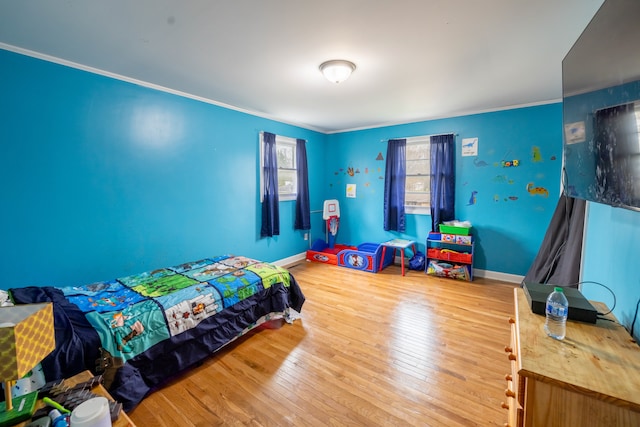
column 370, row 350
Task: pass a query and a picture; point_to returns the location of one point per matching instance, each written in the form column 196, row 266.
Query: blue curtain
column 442, row 179
column 270, row 199
column 394, row 180
column 303, row 211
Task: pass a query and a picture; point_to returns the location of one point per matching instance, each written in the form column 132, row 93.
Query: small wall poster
column 351, row 190
column 470, row 146
column 574, row 132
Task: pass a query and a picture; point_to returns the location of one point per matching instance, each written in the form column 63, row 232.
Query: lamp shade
column 337, row 70
column 27, row 336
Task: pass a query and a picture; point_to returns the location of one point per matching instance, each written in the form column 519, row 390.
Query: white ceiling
column 416, row 59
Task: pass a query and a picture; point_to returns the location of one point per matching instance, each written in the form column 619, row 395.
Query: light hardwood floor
column 370, row 350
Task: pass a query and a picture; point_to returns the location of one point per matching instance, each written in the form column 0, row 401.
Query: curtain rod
column 421, row 136
column 281, row 136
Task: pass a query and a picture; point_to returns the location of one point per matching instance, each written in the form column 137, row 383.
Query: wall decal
column 469, row 147
column 496, row 198
column 480, row 163
column 552, row 158
column 380, row 156
column 537, row 191
column 472, row 199
column 535, row 153
column 503, row 179
column 510, row 163
column 351, row 190
column 350, row 171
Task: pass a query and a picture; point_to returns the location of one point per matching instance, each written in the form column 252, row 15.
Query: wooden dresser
column 591, row 378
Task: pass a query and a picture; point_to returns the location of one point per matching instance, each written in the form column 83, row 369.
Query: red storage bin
column 447, row 255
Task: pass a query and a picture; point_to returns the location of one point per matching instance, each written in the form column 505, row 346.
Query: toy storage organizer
column 450, row 255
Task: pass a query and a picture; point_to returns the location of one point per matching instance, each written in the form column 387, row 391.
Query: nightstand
column 123, row 419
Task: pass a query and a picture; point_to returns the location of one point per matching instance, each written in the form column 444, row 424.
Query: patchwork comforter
column 142, row 329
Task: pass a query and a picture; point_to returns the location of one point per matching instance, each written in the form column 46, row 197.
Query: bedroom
column 98, row 185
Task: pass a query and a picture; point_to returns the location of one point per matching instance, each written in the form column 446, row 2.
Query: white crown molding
column 116, row 76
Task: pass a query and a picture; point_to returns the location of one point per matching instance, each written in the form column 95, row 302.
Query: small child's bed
column 142, row 329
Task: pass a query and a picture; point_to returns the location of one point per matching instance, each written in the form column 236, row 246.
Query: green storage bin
column 450, row 229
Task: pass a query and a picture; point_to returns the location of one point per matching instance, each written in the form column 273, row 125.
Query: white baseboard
column 487, row 274
column 496, row 275
column 285, row 262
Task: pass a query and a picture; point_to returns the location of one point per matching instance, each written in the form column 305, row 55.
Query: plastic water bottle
column 556, row 311
column 58, row 420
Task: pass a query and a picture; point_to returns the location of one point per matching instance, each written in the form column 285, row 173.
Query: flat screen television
column 601, row 108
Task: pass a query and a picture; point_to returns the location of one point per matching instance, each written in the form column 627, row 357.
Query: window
column 287, row 168
column 418, row 170
column 287, row 173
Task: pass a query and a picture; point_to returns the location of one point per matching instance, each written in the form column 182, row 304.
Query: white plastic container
column 92, row 413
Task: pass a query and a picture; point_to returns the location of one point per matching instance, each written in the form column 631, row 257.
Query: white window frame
column 412, row 209
column 281, row 141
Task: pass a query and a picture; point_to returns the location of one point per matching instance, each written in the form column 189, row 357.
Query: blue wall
column 612, row 245
column 509, row 221
column 103, row 178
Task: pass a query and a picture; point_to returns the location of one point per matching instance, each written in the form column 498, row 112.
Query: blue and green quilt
column 163, row 321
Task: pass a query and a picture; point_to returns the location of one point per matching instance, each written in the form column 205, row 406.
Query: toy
column 326, row 251
column 321, row 252
column 366, row 257
column 331, row 214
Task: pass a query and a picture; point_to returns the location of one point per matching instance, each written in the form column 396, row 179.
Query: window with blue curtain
column 270, row 198
column 443, row 180
column 303, row 210
column 292, row 185
column 394, row 185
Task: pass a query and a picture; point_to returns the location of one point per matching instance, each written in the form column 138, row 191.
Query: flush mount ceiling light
column 337, row 70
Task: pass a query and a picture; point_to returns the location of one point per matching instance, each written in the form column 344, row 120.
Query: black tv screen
column 601, row 108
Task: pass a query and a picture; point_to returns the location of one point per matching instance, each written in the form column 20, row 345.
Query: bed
column 364, row 257
column 140, row 330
